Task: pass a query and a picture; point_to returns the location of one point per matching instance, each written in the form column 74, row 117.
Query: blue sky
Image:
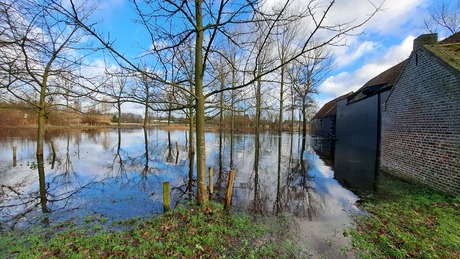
column 386, row 40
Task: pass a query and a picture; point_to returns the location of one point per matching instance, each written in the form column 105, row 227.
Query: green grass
column 408, row 221
column 187, row 232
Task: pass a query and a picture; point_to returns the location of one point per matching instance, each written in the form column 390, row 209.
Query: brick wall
column 421, row 124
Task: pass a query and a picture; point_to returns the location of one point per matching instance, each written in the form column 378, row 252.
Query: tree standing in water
column 170, row 24
column 38, row 63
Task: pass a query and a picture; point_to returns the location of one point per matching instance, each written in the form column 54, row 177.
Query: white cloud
column 394, row 14
column 338, row 84
column 347, row 81
column 399, row 52
column 397, row 15
column 347, row 55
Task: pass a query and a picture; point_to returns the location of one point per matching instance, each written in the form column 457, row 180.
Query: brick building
column 420, row 131
column 359, row 115
column 323, row 124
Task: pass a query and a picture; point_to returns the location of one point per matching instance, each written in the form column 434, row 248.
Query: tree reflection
column 65, row 165
column 191, row 157
column 146, row 145
column 269, row 179
column 260, row 199
column 49, row 192
column 278, row 184
column 170, row 157
column 221, row 181
column 118, row 158
column 220, row 186
column 42, row 184
column 297, row 195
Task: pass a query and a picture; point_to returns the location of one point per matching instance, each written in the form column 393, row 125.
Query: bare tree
column 117, row 88
column 444, row 16
column 306, row 75
column 39, row 63
column 286, row 36
column 144, row 92
column 171, row 23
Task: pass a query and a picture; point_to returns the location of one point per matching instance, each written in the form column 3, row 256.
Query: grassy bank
column 193, row 232
column 408, row 221
column 404, row 221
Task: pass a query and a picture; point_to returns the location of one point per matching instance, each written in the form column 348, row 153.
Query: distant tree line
column 127, row 118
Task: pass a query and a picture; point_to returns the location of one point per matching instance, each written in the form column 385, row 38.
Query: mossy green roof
column 450, row 53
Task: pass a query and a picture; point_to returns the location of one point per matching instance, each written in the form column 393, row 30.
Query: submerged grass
column 408, row 221
column 187, row 232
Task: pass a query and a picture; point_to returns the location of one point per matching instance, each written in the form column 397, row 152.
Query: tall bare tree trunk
column 278, row 182
column 41, row 141
column 41, row 129
column 292, row 110
column 232, row 128
column 304, row 119
column 119, row 113
column 258, row 104
column 280, row 116
column 257, row 143
column 191, row 152
column 146, row 109
column 202, row 195
column 221, row 104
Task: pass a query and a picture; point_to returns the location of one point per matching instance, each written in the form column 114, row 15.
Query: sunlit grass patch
column 408, row 220
column 187, row 232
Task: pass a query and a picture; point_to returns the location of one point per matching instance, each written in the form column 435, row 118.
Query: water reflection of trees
column 279, row 181
column 55, row 190
column 272, row 171
column 118, row 166
column 46, row 198
column 296, row 196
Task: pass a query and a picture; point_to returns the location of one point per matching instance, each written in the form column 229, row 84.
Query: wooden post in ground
column 228, row 195
column 211, row 183
column 53, row 149
column 177, row 153
column 166, row 197
column 14, row 157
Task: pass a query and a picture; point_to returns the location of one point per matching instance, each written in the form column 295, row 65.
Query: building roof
column 455, row 38
column 382, row 82
column 330, row 108
column 448, row 50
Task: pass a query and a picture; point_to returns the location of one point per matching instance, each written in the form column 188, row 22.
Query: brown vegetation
column 13, row 117
column 10, row 117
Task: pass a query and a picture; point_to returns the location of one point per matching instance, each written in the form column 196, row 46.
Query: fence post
column 228, row 195
column 166, row 197
column 177, row 152
column 53, row 149
column 14, row 156
column 211, row 183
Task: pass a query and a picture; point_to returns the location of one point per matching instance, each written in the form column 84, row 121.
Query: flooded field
column 114, row 175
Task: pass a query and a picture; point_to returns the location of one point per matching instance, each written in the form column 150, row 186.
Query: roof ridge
column 454, row 38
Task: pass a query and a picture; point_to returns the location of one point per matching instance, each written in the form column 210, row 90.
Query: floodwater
column 119, row 174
